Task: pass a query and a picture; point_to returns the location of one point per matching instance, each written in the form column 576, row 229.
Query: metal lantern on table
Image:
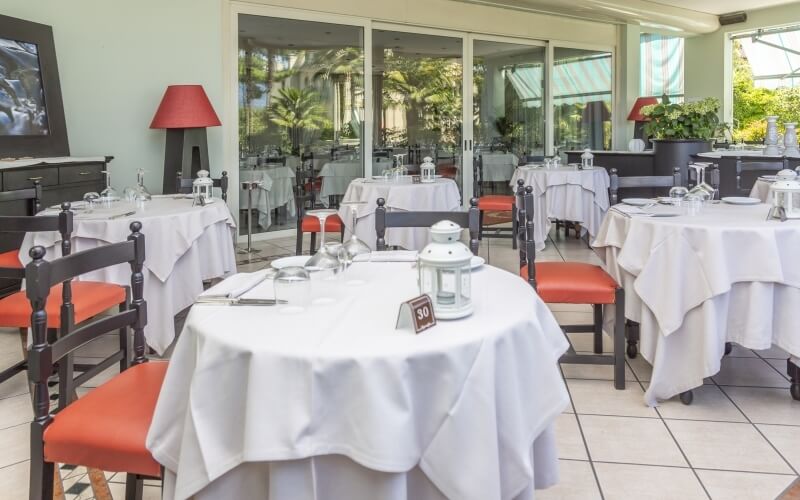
column 202, row 187
column 587, row 159
column 444, row 272
column 786, row 199
column 427, row 170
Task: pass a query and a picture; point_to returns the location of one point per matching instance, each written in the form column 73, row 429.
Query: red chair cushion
column 572, row 283
column 496, row 202
column 10, row 260
column 89, row 297
column 311, row 224
column 107, row 427
column 316, row 186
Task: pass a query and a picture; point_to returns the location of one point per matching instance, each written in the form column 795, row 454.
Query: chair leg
column 58, row 485
column 313, row 244
column 97, row 479
column 480, row 225
column 134, row 486
column 514, row 227
column 598, row 328
column 299, row 243
column 632, row 334
column 619, row 339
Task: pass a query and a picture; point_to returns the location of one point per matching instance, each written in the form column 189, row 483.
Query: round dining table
column 185, row 244
column 695, row 282
column 335, row 402
column 400, row 194
column 565, row 193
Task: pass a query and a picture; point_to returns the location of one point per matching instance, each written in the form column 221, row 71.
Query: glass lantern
column 444, row 272
column 427, row 170
column 786, row 199
column 202, row 187
column 587, row 159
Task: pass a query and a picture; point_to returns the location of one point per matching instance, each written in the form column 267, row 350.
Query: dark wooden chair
column 763, row 166
column 494, row 203
column 305, row 199
column 273, row 161
column 106, row 428
column 184, row 186
column 574, row 283
column 385, row 219
column 10, row 266
column 641, row 181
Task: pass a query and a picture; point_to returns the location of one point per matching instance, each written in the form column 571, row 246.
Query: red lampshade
column 636, row 111
column 185, row 106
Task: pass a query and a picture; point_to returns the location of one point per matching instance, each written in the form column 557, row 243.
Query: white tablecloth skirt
column 276, row 190
column 761, row 191
column 498, row 167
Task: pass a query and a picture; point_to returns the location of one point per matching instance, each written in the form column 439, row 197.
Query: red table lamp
column 185, row 112
column 636, row 115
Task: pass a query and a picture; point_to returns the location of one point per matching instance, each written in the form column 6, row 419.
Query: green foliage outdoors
column 752, row 104
column 690, row 120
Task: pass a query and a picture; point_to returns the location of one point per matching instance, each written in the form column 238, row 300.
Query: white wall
column 115, row 59
column 707, row 64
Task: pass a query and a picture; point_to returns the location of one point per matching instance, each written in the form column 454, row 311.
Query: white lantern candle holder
column 444, row 272
column 786, row 199
column 427, row 170
column 587, row 159
column 202, row 188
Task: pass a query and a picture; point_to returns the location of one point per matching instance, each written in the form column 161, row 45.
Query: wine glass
column 677, row 194
column 702, row 189
column 142, row 194
column 109, row 194
column 90, row 199
column 321, row 256
column 354, row 246
column 293, row 285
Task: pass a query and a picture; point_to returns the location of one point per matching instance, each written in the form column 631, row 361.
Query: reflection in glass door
column 508, row 104
column 301, row 109
column 417, row 105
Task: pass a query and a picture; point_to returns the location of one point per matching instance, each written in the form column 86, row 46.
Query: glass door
column 508, row 108
column 418, row 100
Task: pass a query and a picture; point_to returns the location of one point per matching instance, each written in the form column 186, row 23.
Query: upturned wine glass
column 321, row 259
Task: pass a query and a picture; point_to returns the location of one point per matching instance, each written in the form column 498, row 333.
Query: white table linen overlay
column 336, row 176
column 566, row 193
column 276, row 190
column 694, row 283
column 184, row 245
column 761, row 190
column 439, row 196
column 336, row 403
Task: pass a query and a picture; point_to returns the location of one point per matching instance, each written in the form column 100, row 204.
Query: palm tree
column 298, row 110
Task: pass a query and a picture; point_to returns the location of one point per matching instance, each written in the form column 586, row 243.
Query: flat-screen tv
column 31, row 109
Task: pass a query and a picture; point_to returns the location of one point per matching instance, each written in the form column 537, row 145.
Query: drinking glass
column 293, row 285
column 129, row 194
column 548, row 163
column 694, row 204
column 325, row 274
column 142, row 194
column 677, row 194
column 321, row 258
column 354, row 246
column 91, row 199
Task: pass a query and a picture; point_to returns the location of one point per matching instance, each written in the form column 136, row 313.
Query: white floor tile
column 709, row 404
column 726, row 446
column 725, row 485
column 15, row 411
column 594, row 372
column 749, row 372
column 766, row 406
column 641, row 368
column 599, row 397
column 623, row 481
column 568, row 438
column 576, row 482
column 630, row 440
column 14, row 481
column 786, row 439
column 14, row 444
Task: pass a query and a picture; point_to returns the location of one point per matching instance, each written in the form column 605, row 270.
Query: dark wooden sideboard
column 66, row 180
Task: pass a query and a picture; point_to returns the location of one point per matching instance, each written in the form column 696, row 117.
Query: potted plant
column 679, row 131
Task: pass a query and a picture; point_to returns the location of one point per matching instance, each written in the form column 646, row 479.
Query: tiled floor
column 739, row 439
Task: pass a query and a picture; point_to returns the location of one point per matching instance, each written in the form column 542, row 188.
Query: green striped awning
column 661, row 69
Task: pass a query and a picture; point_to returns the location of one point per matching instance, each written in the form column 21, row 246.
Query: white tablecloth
column 336, row 176
column 761, row 190
column 439, row 196
column 184, row 245
column 277, row 190
column 694, row 283
column 498, row 167
column 566, row 193
column 335, row 403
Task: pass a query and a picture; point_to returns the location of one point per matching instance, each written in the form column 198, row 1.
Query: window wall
column 301, row 104
column 582, row 99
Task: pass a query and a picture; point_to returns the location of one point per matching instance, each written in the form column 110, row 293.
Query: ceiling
column 679, row 16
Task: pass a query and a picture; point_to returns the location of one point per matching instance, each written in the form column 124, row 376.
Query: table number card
column 416, row 313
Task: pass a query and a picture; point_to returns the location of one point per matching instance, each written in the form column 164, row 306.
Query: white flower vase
column 790, row 141
column 771, row 140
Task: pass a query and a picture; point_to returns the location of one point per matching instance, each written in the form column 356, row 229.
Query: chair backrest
column 185, row 185
column 757, row 165
column 527, row 243
column 641, row 181
column 304, row 191
column 384, row 219
column 32, row 194
column 47, row 352
column 62, row 222
column 477, row 176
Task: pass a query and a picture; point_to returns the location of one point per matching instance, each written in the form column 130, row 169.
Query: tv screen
column 22, row 103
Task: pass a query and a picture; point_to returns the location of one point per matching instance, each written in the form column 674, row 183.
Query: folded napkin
column 388, row 256
column 628, row 209
column 234, row 286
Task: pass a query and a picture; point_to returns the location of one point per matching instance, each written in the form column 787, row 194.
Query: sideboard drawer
column 81, row 173
column 23, row 179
